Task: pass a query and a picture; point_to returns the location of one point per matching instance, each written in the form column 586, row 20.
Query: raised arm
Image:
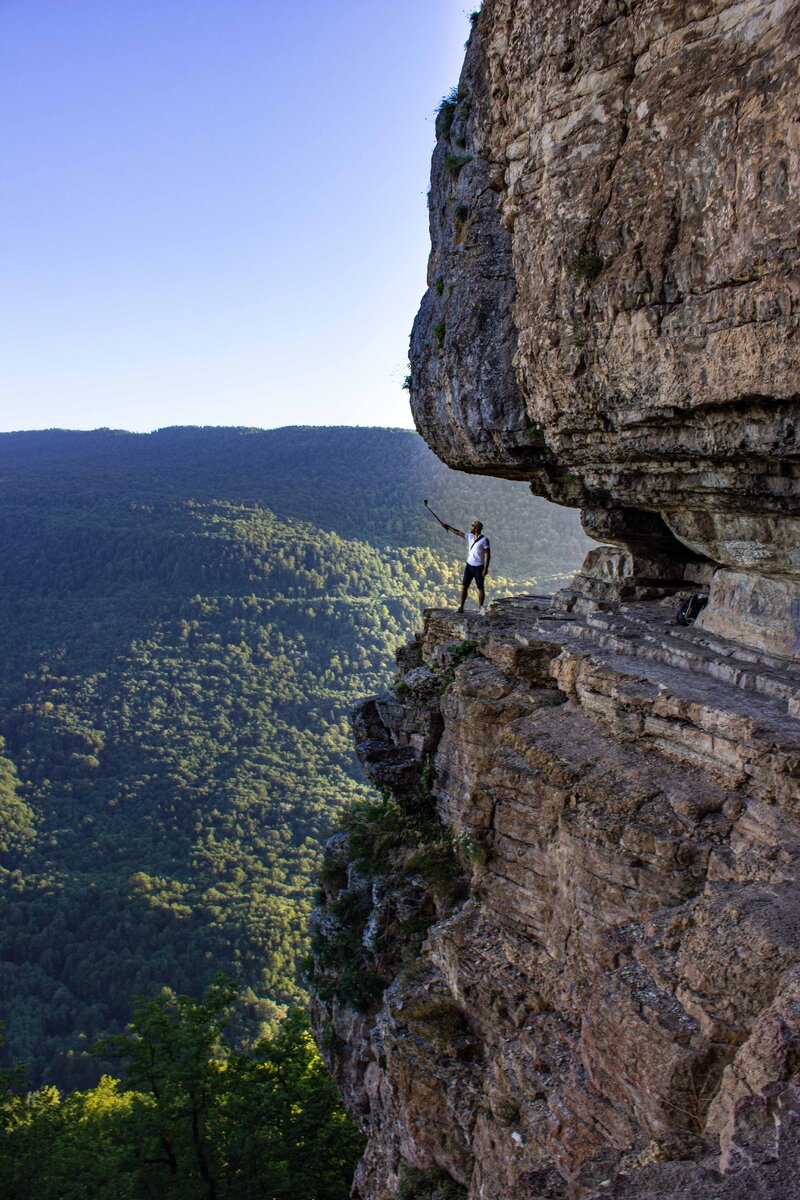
column 452, row 529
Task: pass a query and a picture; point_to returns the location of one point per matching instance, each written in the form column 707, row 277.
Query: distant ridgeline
column 185, row 619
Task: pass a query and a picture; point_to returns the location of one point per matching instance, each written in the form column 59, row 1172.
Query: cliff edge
column 559, row 957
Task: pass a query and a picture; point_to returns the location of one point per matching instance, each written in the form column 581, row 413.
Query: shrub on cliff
column 401, row 851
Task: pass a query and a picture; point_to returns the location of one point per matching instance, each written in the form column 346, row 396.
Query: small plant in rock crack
column 445, row 113
column 454, row 163
column 438, row 287
column 460, row 213
column 428, row 1185
column 463, row 651
column 586, row 266
column 439, row 331
column 459, row 654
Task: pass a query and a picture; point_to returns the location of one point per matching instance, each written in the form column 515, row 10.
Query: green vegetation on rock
column 399, row 846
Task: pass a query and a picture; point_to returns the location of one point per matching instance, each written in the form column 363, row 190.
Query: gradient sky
column 213, row 211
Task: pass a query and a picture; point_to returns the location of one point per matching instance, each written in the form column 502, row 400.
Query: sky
column 213, row 212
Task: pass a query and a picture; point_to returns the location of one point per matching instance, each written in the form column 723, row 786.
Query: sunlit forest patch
column 187, row 618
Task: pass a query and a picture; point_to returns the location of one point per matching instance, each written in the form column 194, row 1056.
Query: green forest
column 195, row 1119
column 186, row 618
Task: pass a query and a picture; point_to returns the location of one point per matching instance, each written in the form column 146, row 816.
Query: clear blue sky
column 213, row 211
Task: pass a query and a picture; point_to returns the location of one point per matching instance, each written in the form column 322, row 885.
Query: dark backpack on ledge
column 691, row 609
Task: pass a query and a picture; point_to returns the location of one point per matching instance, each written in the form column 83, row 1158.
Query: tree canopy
column 195, row 1119
column 187, row 618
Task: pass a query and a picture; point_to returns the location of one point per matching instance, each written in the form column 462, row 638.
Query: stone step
column 673, row 694
column 686, row 715
column 652, row 634
column 649, row 631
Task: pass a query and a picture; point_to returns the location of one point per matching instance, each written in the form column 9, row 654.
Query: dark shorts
column 471, row 573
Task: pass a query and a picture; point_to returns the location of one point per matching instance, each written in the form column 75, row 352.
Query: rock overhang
column 612, row 309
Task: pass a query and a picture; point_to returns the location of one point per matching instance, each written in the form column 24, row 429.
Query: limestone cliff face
column 612, row 308
column 613, row 1009
column 561, row 958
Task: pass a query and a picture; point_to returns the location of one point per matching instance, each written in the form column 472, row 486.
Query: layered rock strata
column 612, row 1006
column 615, row 1008
column 612, row 304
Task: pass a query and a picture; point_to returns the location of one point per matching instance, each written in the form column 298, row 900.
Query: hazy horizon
column 211, row 425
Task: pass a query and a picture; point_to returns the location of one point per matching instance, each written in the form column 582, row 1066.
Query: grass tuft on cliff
column 454, row 163
column 587, row 266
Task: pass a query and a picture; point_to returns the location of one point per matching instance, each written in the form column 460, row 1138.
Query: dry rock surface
column 613, row 1007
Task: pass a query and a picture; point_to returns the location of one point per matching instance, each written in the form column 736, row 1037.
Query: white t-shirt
column 477, row 549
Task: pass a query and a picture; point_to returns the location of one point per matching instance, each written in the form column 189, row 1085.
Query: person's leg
column 464, row 589
column 481, row 592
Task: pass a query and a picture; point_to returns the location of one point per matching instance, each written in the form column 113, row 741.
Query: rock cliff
column 612, row 309
column 609, row 1005
column 560, row 957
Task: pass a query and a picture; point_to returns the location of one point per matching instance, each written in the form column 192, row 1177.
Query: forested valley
column 186, row 618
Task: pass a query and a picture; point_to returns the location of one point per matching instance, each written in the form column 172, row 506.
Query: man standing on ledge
column 478, row 556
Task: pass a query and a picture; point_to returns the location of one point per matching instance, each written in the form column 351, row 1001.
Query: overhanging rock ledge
column 612, row 309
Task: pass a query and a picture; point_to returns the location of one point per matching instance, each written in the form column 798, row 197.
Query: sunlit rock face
column 614, row 1008
column 612, row 306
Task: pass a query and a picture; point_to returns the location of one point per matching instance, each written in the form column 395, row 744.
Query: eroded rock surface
column 612, row 307
column 615, row 1008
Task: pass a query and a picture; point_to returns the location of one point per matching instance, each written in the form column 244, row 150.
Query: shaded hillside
column 187, row 618
column 367, row 484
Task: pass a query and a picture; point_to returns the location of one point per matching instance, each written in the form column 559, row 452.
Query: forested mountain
column 185, row 619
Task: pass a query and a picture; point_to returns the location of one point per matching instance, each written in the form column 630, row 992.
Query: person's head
column 476, row 527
